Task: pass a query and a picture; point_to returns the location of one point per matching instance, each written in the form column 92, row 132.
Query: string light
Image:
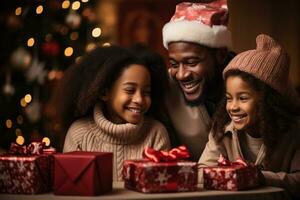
column 8, row 123
column 20, row 140
column 27, row 98
column 30, row 42
column 84, row 1
column 18, row 11
column 78, row 59
column 46, row 140
column 96, row 32
column 20, row 119
column 39, row 9
column 107, row 44
column 90, row 47
column 75, row 5
column 74, row 36
column 65, row 4
column 23, row 102
column 18, row 132
column 68, row 51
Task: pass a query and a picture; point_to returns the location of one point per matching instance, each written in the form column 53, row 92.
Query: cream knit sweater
column 126, row 141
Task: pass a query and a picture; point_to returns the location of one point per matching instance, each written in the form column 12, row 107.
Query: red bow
column 180, row 152
column 34, row 148
column 224, row 162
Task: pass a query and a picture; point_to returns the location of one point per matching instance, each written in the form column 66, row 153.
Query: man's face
column 192, row 66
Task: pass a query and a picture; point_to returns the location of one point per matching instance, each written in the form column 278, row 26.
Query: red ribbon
column 34, row 148
column 174, row 154
column 224, row 162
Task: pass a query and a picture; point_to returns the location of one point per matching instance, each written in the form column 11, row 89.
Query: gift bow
column 34, row 148
column 224, row 162
column 180, row 152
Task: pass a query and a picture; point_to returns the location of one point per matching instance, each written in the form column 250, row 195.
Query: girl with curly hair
column 110, row 94
column 259, row 118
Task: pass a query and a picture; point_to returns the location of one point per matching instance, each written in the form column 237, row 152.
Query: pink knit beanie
column 269, row 62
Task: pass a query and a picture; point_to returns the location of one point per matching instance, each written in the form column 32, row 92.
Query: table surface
column 119, row 192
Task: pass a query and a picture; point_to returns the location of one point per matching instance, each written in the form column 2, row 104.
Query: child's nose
column 138, row 98
column 234, row 105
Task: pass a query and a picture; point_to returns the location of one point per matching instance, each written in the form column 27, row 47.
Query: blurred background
column 39, row 39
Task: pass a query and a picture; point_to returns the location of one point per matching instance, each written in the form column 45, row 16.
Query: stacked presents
column 36, row 169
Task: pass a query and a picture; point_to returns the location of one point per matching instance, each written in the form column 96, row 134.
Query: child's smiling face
column 129, row 98
column 242, row 103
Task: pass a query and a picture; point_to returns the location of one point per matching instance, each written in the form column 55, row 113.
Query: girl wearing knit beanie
column 259, row 118
column 110, row 93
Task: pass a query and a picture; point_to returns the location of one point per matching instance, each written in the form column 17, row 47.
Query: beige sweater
column 126, row 141
column 191, row 123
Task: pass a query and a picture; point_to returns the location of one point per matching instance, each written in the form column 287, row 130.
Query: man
column 197, row 40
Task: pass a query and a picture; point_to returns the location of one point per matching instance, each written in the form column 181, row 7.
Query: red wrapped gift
column 24, row 171
column 160, row 172
column 82, row 173
column 233, row 176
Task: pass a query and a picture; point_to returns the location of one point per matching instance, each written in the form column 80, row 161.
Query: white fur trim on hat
column 216, row 36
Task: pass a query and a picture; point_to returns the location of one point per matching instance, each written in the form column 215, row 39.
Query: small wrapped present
column 82, row 173
column 233, row 176
column 26, row 169
column 161, row 172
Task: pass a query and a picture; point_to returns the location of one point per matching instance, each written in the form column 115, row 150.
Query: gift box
column 82, row 173
column 25, row 171
column 154, row 175
column 232, row 176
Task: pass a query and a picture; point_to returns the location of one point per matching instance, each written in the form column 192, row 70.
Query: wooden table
column 119, row 192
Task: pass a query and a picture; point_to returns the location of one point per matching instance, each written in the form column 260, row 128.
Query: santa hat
column 201, row 23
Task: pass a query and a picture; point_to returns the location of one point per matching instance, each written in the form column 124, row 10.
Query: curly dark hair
column 276, row 112
column 158, row 69
column 85, row 81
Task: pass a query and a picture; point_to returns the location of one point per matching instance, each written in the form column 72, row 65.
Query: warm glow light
column 20, row 119
column 46, row 140
column 65, row 4
column 27, row 98
column 18, row 132
column 107, row 44
column 8, row 123
column 74, row 36
column 96, row 32
column 75, row 5
column 78, row 59
column 51, row 75
column 68, row 51
column 23, row 102
column 30, row 42
column 90, row 47
column 18, row 11
column 20, row 140
column 39, row 9
column 84, row 1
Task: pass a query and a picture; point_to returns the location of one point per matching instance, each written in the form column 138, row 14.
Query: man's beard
column 211, row 91
column 200, row 99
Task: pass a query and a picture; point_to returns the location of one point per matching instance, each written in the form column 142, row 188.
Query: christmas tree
column 39, row 40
